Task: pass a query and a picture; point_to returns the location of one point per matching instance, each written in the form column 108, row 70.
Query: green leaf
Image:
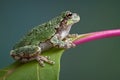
column 32, row 70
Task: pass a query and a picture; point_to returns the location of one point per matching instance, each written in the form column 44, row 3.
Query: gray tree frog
column 53, row 33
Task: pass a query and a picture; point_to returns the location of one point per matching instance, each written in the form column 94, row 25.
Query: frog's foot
column 72, row 35
column 42, row 59
column 69, row 44
column 66, row 44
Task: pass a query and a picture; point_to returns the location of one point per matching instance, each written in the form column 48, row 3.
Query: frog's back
column 40, row 33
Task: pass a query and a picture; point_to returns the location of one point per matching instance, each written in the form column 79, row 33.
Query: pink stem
column 98, row 35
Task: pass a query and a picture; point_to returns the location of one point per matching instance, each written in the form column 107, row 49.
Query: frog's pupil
column 69, row 14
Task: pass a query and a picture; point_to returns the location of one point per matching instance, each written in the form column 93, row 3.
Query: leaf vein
column 38, row 78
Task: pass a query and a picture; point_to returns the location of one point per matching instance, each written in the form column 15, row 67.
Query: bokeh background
column 97, row 60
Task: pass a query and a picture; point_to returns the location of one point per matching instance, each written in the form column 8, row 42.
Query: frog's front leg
column 62, row 43
column 29, row 53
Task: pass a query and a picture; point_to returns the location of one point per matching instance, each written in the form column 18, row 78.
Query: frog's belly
column 45, row 45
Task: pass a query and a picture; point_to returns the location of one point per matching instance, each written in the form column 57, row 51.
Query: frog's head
column 70, row 18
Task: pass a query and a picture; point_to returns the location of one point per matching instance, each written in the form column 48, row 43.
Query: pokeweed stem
column 96, row 35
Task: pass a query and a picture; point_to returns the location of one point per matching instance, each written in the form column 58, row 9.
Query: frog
column 51, row 34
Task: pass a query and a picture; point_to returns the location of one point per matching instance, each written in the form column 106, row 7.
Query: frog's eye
column 68, row 14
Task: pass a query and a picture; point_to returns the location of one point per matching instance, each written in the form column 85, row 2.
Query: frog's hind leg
column 26, row 53
column 29, row 53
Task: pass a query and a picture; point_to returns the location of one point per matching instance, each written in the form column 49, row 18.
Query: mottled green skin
column 41, row 33
column 43, row 37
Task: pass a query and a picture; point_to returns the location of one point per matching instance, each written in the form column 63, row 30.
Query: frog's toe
column 72, row 35
column 48, row 57
column 41, row 63
column 43, row 59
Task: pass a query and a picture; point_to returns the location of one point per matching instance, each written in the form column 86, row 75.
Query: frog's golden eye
column 68, row 14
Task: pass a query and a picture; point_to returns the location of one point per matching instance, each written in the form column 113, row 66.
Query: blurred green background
column 97, row 60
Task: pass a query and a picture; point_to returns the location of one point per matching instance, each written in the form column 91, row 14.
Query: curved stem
column 97, row 35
